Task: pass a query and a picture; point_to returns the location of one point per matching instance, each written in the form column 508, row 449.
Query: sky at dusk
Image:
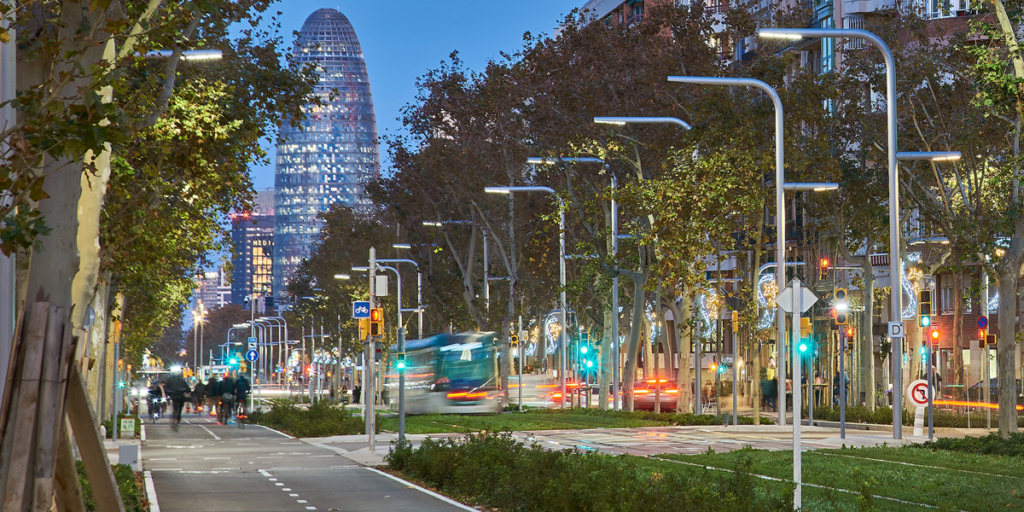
column 402, row 39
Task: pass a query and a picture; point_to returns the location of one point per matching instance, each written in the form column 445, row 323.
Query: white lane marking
column 208, row 431
column 310, row 508
column 273, row 479
column 277, row 432
column 154, row 506
column 265, row 473
column 285, row 489
column 143, row 435
column 271, row 457
column 201, row 472
column 166, row 469
column 344, row 467
column 223, row 469
column 425, row 491
column 293, row 495
column 216, row 458
column 301, row 501
column 170, row 458
column 320, row 456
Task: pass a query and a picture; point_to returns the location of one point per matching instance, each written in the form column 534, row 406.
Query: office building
column 253, row 236
column 328, row 159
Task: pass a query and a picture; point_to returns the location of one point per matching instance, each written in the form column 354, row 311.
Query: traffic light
column 924, row 301
column 400, row 363
column 804, row 347
column 377, row 322
column 120, row 365
column 515, row 340
column 823, row 266
column 981, row 335
column 364, row 328
column 841, row 305
column 991, row 340
column 806, row 329
column 935, row 335
column 735, row 322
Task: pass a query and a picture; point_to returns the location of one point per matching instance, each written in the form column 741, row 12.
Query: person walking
column 178, row 390
column 357, row 391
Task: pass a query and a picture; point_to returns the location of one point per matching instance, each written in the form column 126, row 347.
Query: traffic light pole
column 842, row 384
column 401, row 385
column 368, row 393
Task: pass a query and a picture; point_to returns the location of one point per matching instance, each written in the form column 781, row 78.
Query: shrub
column 991, row 444
column 883, row 416
column 497, row 471
column 319, row 420
column 132, row 495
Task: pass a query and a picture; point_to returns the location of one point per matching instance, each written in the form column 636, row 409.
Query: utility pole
column 368, row 365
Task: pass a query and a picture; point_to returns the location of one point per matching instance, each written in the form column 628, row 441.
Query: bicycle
column 241, row 416
column 155, row 409
column 225, row 410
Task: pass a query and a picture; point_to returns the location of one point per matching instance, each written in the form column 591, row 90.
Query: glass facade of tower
column 329, row 158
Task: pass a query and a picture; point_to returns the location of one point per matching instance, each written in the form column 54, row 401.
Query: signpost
column 918, row 394
column 982, row 322
column 795, row 299
column 252, row 342
column 252, row 355
column 361, row 309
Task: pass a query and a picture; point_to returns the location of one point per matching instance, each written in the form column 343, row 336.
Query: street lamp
column 780, row 223
column 622, row 121
column 342, row 276
column 895, row 263
column 561, row 261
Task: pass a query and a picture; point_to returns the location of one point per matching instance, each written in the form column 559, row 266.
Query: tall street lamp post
column 895, row 262
column 780, row 224
column 615, row 242
column 561, row 268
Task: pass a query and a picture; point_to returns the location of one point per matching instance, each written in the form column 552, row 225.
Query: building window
column 946, row 308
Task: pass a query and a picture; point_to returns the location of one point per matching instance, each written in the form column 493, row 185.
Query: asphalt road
column 204, row 466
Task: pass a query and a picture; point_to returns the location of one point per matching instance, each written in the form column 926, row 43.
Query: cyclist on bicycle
column 156, row 398
column 241, row 395
column 227, row 399
column 178, row 390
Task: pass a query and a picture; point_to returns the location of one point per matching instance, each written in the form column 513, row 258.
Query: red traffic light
column 376, row 314
column 824, row 263
column 935, row 334
column 849, row 331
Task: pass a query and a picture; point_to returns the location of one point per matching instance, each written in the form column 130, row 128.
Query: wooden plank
column 24, row 412
column 94, row 456
column 68, row 494
column 49, row 419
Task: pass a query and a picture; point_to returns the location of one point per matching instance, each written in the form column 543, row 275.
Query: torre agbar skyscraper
column 328, row 159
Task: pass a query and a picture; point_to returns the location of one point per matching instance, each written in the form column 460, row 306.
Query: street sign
column 252, row 356
column 127, row 427
column 897, row 330
column 917, row 393
column 252, row 342
column 982, row 322
column 796, row 298
column 361, row 309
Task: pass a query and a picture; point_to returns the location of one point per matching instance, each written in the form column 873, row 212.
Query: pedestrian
column 178, row 390
column 199, row 396
column 344, row 394
column 212, row 394
column 356, row 393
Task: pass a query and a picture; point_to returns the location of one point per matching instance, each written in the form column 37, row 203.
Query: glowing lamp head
column 803, row 348
column 583, row 349
column 590, row 364
column 935, row 334
column 823, row 263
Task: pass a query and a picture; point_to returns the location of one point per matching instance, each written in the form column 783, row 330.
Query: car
column 977, row 391
column 646, row 393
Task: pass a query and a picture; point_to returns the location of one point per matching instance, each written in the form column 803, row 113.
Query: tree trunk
column 606, row 359
column 1007, row 276
column 684, row 334
column 867, row 337
column 636, row 322
column 958, row 328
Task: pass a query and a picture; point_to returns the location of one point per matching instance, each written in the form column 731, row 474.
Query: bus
column 448, row 374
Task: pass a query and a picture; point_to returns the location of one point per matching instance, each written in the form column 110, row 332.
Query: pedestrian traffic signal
column 364, row 328
column 841, row 305
column 735, row 322
column 981, row 335
column 991, row 340
column 377, row 322
column 400, row 364
column 823, row 265
column 926, row 320
column 924, row 301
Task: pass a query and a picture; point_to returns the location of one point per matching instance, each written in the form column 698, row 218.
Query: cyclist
column 178, row 390
column 156, row 399
column 241, row 394
column 227, row 399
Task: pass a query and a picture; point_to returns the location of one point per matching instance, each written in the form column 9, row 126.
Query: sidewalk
column 647, row 441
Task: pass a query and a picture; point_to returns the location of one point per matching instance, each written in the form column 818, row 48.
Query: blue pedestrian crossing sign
column 252, row 356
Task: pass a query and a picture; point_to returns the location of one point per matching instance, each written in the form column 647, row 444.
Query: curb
column 154, row 506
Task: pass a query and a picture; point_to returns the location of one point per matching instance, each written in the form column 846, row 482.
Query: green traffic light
column 926, row 320
column 590, row 364
column 583, row 349
column 233, row 361
column 401, row 365
column 803, row 348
